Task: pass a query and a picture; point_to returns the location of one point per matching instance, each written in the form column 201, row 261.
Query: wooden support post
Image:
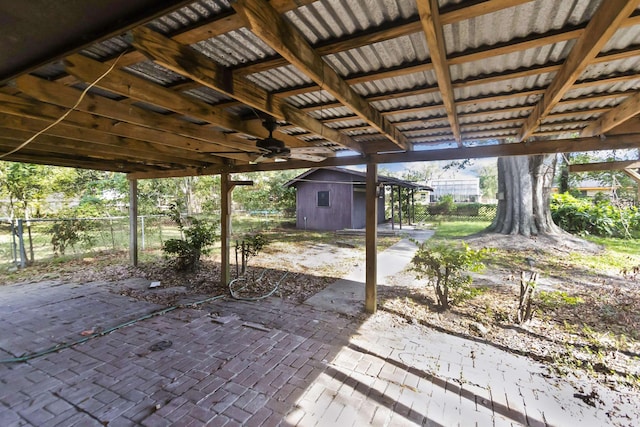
column 226, row 188
column 371, row 239
column 413, row 206
column 225, row 228
column 393, row 212
column 133, row 221
column 400, row 206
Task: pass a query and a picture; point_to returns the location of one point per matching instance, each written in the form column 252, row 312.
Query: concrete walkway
column 347, row 295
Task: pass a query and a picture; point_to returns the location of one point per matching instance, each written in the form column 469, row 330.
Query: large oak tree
column 524, row 190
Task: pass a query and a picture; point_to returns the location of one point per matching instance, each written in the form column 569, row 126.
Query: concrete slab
column 346, row 295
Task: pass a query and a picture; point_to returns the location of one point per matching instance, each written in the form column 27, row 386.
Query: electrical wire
column 64, row 116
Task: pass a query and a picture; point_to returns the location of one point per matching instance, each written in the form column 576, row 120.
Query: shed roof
column 180, row 88
column 360, row 176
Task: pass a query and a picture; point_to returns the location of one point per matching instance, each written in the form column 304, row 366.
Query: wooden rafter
column 90, row 137
column 48, row 113
column 609, row 16
column 430, row 19
column 194, row 137
column 605, row 166
column 137, row 88
column 47, row 143
column 615, row 117
column 267, row 23
column 190, row 63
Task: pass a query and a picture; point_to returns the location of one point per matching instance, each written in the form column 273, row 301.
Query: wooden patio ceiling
column 184, row 89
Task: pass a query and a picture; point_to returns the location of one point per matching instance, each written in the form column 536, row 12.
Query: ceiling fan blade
column 307, row 157
column 317, row 151
column 260, row 159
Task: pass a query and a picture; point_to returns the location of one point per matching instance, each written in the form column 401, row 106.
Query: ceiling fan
column 273, row 148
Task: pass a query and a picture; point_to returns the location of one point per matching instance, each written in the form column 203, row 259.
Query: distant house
column 334, row 198
column 591, row 187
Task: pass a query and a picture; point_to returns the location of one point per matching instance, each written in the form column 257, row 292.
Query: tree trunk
column 524, row 190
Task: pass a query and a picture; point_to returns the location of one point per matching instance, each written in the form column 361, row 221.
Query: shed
column 334, row 198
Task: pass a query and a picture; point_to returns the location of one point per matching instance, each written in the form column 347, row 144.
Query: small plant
column 445, row 266
column 527, row 289
column 250, row 246
column 198, row 236
column 67, row 232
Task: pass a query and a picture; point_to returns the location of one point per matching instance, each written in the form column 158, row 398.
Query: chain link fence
column 421, row 213
column 24, row 242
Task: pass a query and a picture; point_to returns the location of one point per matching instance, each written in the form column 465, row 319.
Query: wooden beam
column 615, row 117
column 618, row 142
column 184, row 60
column 208, row 140
column 432, row 27
column 605, row 166
column 137, row 88
column 463, row 11
column 386, row 31
column 91, row 143
column 605, row 22
column 40, row 111
column 284, row 38
column 371, row 239
column 634, row 175
column 52, row 159
column 12, row 139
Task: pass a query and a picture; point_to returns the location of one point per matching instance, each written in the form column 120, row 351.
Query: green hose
column 258, row 298
column 58, row 347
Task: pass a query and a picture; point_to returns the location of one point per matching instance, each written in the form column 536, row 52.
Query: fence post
column 14, row 246
column 142, row 230
column 23, row 254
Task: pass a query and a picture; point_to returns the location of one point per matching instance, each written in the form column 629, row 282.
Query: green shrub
column 445, row 266
column 75, row 227
column 596, row 217
column 198, row 237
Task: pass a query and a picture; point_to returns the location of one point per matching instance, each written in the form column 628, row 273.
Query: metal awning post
column 393, row 213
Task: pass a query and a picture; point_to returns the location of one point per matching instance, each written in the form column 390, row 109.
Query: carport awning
column 352, row 82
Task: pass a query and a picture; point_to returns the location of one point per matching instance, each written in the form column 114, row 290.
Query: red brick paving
column 268, row 363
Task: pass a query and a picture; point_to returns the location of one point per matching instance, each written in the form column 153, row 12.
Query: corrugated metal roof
column 332, row 19
column 156, row 73
column 502, row 61
column 189, row 16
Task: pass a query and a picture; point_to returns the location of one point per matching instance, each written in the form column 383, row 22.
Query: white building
column 462, row 189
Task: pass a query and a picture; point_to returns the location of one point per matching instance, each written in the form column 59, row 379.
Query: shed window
column 323, row 198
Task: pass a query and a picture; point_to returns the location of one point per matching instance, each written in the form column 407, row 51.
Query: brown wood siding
column 335, row 217
column 347, row 202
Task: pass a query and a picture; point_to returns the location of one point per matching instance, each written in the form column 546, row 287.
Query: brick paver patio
column 263, row 363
